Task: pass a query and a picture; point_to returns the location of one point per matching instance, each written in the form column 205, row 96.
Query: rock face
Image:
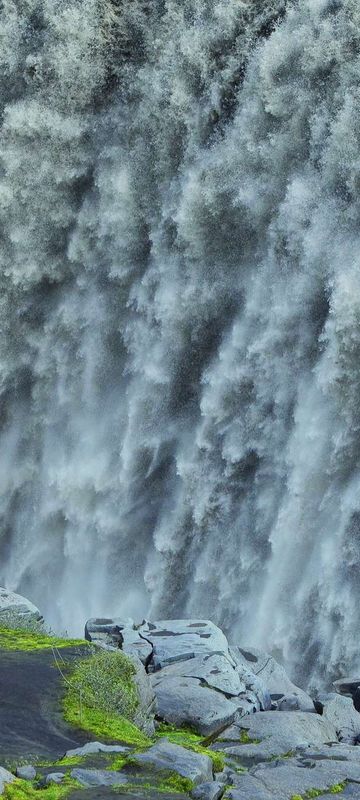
column 197, row 679
column 14, row 607
column 273, row 676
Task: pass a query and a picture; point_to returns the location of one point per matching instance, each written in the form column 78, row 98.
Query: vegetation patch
column 102, row 698
column 192, row 741
column 24, row 790
column 335, row 789
column 22, row 639
column 246, row 739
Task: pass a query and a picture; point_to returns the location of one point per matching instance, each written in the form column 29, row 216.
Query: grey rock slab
column 208, row 791
column 290, row 702
column 54, row 777
column 296, row 777
column 289, row 730
column 96, row 747
column 248, row 755
column 183, row 701
column 135, row 645
column 179, row 640
column 165, row 755
column 15, row 605
column 26, row 772
column 341, row 713
column 272, row 674
column 106, row 630
column 338, row 751
column 212, row 668
column 248, row 788
column 5, row 777
column 252, row 682
column 97, row 777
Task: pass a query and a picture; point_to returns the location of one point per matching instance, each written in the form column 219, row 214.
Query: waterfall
column 180, row 316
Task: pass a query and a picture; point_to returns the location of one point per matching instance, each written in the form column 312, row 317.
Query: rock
column 208, row 791
column 105, row 631
column 5, row 777
column 164, row 755
column 341, row 713
column 183, row 701
column 14, row 606
column 273, row 675
column 144, row 717
column 212, row 669
column 135, row 645
column 248, row 788
column 97, row 777
column 54, row 777
column 118, row 633
column 96, row 747
column 180, row 640
column 290, row 702
column 26, row 772
column 286, row 778
column 275, row 734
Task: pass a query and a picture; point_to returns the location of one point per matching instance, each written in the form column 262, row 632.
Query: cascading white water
column 180, row 316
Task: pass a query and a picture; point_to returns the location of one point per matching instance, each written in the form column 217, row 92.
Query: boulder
column 95, row 747
column 26, row 772
column 184, row 701
column 54, row 777
column 285, row 779
column 17, row 609
column 290, row 702
column 273, row 675
column 165, row 755
column 5, row 777
column 214, row 670
column 341, row 713
column 101, row 630
column 118, row 633
column 180, row 640
column 97, row 777
column 208, row 791
column 273, row 733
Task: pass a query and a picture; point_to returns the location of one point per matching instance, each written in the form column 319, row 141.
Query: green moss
column 24, row 790
column 21, row 639
column 246, row 739
column 335, row 789
column 192, row 741
column 112, row 727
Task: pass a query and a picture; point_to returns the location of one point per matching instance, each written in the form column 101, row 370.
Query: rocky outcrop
column 197, row 679
column 16, row 610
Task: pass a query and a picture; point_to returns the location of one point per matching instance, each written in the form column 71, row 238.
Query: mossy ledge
column 24, row 790
column 21, row 639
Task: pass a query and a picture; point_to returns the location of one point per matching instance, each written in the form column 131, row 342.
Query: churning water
column 180, row 316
